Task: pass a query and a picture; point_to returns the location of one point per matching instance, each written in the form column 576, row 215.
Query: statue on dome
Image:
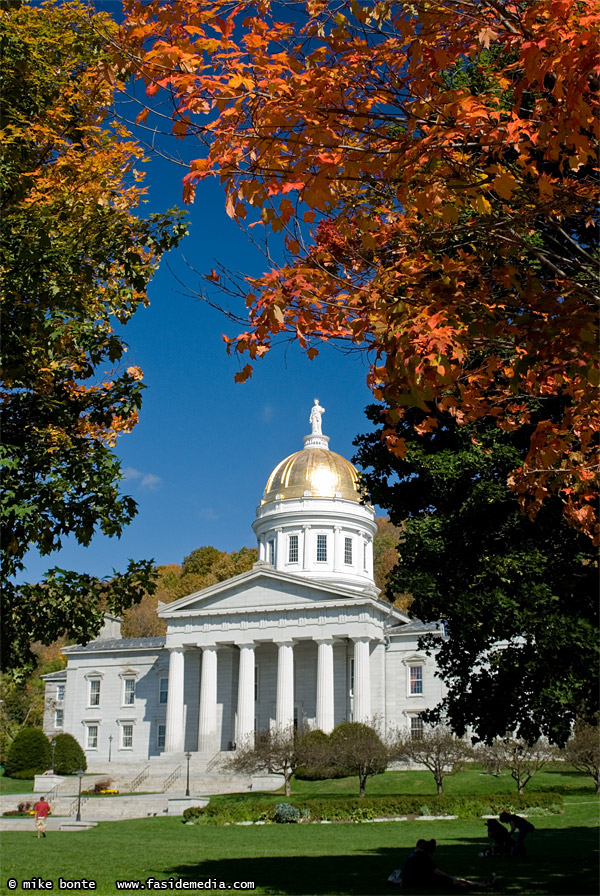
column 316, row 413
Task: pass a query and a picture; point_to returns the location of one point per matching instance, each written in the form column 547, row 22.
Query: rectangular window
column 59, row 717
column 256, row 683
column 416, row 728
column 348, row 551
column 126, row 737
column 293, row 551
column 60, row 693
column 94, row 693
column 351, row 668
column 160, row 737
column 321, row 548
column 92, row 737
column 272, row 553
column 365, row 557
column 163, row 690
column 416, row 679
column 129, row 692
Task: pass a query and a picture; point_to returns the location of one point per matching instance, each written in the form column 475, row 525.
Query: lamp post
column 53, row 745
column 110, row 740
column 188, row 756
column 80, row 776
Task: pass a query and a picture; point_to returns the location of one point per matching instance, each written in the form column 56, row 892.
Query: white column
column 305, row 547
column 284, row 713
column 244, row 734
column 262, row 554
column 325, row 685
column 174, row 735
column 279, row 558
column 337, row 549
column 362, row 681
column 207, row 726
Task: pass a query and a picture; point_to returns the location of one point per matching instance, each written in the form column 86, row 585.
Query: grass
column 302, row 860
column 13, row 785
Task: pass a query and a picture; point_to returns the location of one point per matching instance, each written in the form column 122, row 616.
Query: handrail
column 215, row 760
column 172, row 778
column 73, row 806
column 139, row 778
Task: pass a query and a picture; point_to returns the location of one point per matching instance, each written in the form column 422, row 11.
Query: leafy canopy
column 76, row 262
column 432, row 168
column 519, row 596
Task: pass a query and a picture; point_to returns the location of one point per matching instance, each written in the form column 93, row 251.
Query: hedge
column 367, row 808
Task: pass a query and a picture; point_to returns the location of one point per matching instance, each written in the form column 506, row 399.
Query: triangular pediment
column 265, row 588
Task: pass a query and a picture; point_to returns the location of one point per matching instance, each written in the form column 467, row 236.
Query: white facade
column 303, row 638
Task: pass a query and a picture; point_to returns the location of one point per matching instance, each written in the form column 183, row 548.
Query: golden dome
column 315, row 473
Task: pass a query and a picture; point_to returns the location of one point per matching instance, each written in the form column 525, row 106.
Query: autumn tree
column 518, row 595
column 432, row 168
column 202, row 568
column 76, row 262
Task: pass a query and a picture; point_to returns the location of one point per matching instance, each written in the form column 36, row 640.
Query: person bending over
column 521, row 826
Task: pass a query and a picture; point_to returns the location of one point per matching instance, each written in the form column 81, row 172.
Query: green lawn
column 302, row 860
column 13, row 785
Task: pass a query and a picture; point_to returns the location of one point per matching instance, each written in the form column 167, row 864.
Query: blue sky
column 199, row 459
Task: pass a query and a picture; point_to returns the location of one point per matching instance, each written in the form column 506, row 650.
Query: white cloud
column 267, row 413
column 148, row 481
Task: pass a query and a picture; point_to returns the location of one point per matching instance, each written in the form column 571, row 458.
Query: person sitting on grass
column 503, row 842
column 521, row 826
column 421, row 873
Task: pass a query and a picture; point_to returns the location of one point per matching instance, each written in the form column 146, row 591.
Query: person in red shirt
column 42, row 810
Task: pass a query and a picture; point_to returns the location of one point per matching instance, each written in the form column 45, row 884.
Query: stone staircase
column 168, row 774
column 154, row 787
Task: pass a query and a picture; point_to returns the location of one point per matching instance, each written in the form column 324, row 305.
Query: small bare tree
column 522, row 759
column 438, row 749
column 582, row 751
column 274, row 751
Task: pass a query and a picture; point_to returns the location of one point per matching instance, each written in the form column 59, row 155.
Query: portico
column 307, row 665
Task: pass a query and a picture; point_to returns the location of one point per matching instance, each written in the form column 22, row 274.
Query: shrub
column 68, row 755
column 193, row 813
column 26, row 774
column 313, row 752
column 285, row 813
column 29, row 751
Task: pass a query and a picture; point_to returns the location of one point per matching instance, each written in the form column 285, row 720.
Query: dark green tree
column 76, row 262
column 68, row 755
column 29, row 754
column 518, row 595
column 357, row 749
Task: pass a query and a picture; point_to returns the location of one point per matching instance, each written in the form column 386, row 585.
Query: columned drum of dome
column 312, row 519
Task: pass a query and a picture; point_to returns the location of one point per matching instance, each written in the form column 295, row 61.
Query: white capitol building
column 302, row 638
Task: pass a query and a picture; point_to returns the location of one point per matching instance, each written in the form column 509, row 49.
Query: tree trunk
column 362, row 783
column 288, row 790
column 440, row 786
column 520, row 785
